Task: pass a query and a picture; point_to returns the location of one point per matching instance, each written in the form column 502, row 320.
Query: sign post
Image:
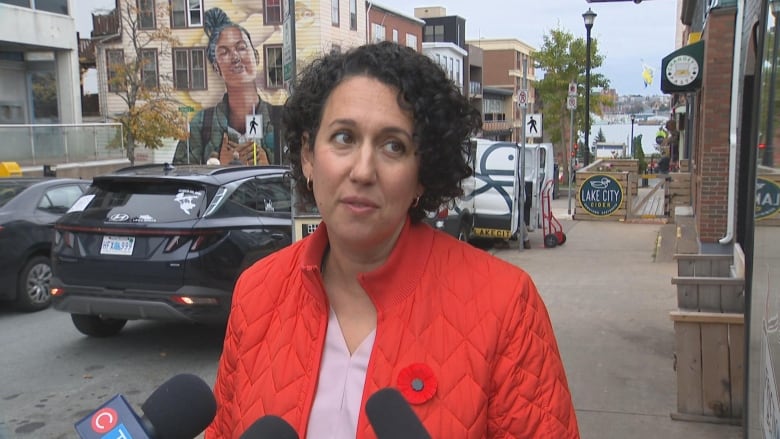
column 571, row 105
column 522, row 101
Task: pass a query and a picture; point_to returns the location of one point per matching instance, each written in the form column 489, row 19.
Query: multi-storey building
column 508, row 68
column 319, row 27
column 386, row 24
column 39, row 68
column 444, row 41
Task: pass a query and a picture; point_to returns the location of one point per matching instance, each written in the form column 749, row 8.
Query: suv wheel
column 96, row 326
column 32, row 291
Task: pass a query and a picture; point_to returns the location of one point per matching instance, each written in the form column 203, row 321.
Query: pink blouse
column 340, row 386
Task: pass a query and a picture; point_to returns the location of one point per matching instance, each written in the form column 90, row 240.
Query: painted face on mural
column 236, row 60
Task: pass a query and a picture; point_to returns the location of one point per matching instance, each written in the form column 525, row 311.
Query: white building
column 39, row 66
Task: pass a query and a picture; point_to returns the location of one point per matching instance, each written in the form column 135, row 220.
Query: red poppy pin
column 417, row 383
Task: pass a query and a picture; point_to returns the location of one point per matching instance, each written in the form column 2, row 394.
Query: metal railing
column 52, row 144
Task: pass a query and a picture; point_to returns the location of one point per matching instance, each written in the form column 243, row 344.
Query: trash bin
column 10, row 169
column 48, row 171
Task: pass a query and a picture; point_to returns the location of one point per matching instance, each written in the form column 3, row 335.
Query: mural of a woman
column 221, row 128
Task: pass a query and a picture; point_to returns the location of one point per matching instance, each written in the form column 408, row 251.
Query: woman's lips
column 359, row 203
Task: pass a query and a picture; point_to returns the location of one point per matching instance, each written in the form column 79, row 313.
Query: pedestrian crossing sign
column 533, row 125
column 254, row 126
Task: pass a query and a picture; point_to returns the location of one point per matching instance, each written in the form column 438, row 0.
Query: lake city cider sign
column 600, row 195
column 767, row 198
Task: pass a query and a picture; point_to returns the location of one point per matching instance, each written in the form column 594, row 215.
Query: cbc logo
column 104, row 420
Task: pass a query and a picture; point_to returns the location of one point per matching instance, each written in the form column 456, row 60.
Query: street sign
column 533, row 125
column 287, row 49
column 186, row 109
column 571, row 103
column 522, row 97
column 254, row 126
column 572, row 89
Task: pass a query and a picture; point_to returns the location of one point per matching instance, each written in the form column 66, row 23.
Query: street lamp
column 631, row 142
column 589, row 16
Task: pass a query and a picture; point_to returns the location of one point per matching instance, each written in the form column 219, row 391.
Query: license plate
column 117, row 245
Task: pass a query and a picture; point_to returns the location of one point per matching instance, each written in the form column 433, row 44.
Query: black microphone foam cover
column 392, row 417
column 181, row 408
column 270, row 427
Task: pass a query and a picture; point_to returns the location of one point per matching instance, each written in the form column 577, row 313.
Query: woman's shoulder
column 465, row 260
column 278, row 267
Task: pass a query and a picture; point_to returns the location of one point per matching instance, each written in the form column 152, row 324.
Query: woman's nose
column 364, row 165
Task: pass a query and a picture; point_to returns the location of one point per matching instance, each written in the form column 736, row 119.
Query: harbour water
column 621, row 133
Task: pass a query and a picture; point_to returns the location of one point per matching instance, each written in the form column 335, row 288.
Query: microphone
column 392, row 417
column 181, row 408
column 270, row 427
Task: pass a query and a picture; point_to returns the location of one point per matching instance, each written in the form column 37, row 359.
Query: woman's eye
column 395, row 147
column 241, row 47
column 343, row 138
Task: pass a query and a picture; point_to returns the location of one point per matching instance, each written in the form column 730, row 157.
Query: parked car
column 28, row 209
column 166, row 243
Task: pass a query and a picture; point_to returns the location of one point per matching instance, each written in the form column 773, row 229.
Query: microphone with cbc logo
column 181, row 408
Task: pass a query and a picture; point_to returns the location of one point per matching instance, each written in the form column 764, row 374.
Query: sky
column 631, row 36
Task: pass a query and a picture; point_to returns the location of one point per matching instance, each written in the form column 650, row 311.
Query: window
column 146, row 16
column 378, row 32
column 493, row 109
column 395, row 35
column 272, row 12
column 274, row 77
column 149, row 74
column 353, row 14
column 189, row 69
column 411, row 41
column 434, row 33
column 271, row 196
column 334, row 12
column 115, row 60
column 186, row 13
column 59, row 199
column 457, row 77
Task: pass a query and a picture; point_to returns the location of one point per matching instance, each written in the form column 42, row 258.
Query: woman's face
column 235, row 57
column 364, row 165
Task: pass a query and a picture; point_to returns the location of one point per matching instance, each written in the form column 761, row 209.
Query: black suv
column 166, row 243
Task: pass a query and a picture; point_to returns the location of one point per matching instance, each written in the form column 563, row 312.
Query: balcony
column 475, row 89
column 105, row 25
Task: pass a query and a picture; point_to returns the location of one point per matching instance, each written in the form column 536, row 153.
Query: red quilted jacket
column 476, row 322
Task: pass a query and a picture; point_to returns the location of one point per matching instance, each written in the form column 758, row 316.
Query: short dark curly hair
column 443, row 119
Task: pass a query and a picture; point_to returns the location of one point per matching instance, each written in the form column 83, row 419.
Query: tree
column 600, row 138
column 562, row 58
column 151, row 113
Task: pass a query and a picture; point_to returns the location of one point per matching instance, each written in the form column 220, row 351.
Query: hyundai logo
column 119, row 217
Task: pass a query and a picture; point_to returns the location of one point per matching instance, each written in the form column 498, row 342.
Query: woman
column 221, row 128
column 375, row 298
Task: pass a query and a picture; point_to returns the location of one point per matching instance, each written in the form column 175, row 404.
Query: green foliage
column 151, row 113
column 639, row 153
column 600, row 137
column 562, row 58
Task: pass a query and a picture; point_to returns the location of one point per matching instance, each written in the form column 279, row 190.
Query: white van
column 496, row 194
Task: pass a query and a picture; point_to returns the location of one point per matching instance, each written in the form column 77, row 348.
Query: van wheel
column 32, row 288
column 96, row 326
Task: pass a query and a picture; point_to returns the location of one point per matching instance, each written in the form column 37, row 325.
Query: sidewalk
column 609, row 298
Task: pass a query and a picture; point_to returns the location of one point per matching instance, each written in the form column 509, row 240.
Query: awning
column 683, row 69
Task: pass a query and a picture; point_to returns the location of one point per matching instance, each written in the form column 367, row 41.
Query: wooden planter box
column 710, row 337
